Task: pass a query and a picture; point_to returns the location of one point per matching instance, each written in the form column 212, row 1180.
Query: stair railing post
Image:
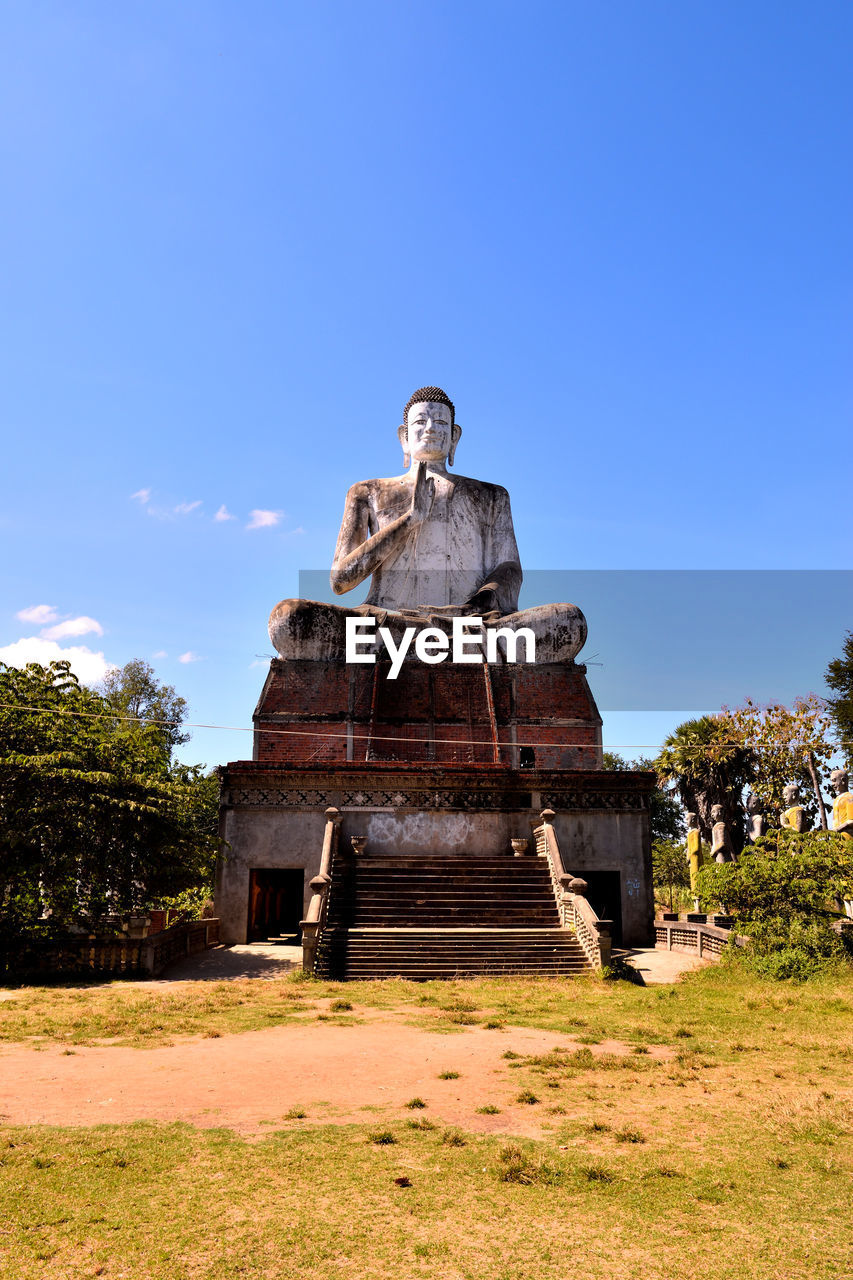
column 315, row 917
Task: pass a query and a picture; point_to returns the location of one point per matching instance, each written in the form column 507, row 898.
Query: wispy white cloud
column 224, row 514
column 184, row 508
column 81, row 626
column 260, row 519
column 161, row 653
column 189, row 656
column 292, row 533
column 141, row 495
column 40, row 614
column 88, row 666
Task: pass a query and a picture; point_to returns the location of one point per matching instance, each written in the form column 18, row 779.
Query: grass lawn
column 730, row 1155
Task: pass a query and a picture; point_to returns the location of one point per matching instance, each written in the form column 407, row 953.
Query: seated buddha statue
column 435, row 546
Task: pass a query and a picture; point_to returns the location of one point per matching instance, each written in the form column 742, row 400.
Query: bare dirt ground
column 335, row 1074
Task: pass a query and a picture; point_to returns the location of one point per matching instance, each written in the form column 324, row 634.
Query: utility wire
column 374, row 737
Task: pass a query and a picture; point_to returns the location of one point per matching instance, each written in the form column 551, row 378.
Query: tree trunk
column 821, row 806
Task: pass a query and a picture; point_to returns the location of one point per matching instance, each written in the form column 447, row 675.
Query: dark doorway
column 275, row 904
column 605, row 898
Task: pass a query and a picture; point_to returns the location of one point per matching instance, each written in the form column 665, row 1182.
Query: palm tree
column 708, row 765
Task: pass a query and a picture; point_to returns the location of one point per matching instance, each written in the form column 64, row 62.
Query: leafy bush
column 783, row 893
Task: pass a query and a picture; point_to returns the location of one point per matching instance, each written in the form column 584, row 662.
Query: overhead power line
column 373, row 737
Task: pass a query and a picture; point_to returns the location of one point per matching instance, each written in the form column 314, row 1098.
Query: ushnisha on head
column 429, row 431
column 791, row 794
column 840, row 781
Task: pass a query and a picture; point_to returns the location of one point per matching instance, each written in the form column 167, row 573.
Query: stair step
column 436, row 917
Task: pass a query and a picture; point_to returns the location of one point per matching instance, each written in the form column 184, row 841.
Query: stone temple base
column 273, row 821
column 447, row 759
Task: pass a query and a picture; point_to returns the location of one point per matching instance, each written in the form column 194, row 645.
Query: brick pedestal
column 524, row 715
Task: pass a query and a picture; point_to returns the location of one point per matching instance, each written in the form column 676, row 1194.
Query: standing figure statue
column 842, row 809
column 722, row 849
column 695, row 854
column 757, row 825
column 434, row 545
column 842, row 816
column 794, row 816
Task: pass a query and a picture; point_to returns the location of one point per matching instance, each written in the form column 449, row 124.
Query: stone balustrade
column 315, row 917
column 696, row 933
column 118, row 956
column 576, row 911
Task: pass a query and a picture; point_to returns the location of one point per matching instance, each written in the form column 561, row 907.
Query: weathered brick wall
column 337, row 712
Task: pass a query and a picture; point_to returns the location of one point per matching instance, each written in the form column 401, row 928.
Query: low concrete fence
column 696, row 933
column 78, row 957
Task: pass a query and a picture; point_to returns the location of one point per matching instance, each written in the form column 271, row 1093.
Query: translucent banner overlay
column 666, row 640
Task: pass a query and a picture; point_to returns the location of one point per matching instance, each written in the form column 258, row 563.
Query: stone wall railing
column 315, row 917
column 78, row 957
column 696, row 933
column 575, row 910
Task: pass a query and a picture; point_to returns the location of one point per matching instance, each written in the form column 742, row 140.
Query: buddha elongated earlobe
column 455, row 433
column 403, row 436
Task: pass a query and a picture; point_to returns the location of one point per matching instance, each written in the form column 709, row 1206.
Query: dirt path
column 335, row 1074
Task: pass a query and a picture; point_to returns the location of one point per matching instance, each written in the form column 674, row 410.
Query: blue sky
column 238, row 236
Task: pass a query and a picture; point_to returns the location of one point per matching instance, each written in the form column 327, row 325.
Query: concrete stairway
column 436, row 917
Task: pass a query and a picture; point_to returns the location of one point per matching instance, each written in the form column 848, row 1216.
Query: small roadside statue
column 794, row 816
column 757, row 824
column 842, row 809
column 722, row 849
column 695, row 854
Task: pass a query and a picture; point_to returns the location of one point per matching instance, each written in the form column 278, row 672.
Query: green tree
column 839, row 677
column 707, row 763
column 94, row 817
column 134, row 690
column 670, row 869
column 788, row 745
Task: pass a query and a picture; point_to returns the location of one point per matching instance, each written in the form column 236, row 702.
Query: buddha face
column 839, row 779
column 753, row 804
column 791, row 794
column 717, row 813
column 430, row 432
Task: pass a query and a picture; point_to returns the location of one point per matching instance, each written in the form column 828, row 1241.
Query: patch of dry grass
column 716, row 1151
column 152, row 1201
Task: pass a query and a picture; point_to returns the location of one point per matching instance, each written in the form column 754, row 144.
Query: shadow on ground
column 219, row 964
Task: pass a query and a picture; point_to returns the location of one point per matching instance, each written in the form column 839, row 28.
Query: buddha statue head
column 692, row 821
column 791, row 795
column 753, row 804
column 429, row 431
column 839, row 779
